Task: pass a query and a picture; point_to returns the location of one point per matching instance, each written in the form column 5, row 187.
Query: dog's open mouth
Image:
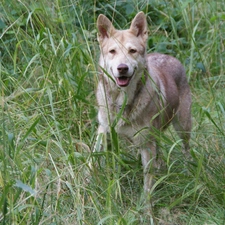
column 123, row 81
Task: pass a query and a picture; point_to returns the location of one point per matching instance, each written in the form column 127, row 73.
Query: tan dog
column 147, row 90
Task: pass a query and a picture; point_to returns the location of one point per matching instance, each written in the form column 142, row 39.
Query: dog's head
column 122, row 51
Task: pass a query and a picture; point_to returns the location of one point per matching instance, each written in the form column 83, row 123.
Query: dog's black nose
column 122, row 68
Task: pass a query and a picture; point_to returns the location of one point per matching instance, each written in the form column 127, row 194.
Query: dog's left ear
column 139, row 26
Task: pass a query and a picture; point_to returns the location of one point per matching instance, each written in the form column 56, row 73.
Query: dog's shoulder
column 167, row 68
column 159, row 60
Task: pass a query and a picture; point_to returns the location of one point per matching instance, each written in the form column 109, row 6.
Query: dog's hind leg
column 182, row 121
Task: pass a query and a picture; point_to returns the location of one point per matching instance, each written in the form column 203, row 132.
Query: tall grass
column 48, row 75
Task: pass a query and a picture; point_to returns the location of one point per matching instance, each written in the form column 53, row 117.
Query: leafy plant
column 48, row 76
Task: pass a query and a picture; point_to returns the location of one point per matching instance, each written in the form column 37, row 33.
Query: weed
column 48, row 76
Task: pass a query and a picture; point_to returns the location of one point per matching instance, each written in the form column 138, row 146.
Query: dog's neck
column 119, row 98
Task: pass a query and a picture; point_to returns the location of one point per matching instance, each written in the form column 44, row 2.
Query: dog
column 147, row 91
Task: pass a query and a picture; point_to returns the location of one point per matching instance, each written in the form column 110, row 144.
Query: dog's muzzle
column 124, row 78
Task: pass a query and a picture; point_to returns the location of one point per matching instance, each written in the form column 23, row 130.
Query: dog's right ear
column 105, row 27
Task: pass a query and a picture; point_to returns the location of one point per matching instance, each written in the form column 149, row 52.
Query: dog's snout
column 122, row 68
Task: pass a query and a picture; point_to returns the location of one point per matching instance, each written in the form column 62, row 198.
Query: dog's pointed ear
column 139, row 26
column 105, row 27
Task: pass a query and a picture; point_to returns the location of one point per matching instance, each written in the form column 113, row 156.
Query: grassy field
column 49, row 58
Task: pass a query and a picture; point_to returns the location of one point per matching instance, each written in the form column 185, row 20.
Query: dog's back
column 174, row 86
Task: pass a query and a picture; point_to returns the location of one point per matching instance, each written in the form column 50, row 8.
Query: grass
column 48, row 76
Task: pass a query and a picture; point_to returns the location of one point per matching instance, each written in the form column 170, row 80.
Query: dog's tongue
column 123, row 81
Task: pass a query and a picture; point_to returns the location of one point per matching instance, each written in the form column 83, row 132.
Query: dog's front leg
column 100, row 141
column 99, row 144
column 148, row 157
column 147, row 164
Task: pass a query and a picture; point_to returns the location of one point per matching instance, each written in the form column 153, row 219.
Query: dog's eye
column 112, row 51
column 132, row 51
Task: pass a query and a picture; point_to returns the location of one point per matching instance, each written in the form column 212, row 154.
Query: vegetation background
column 48, row 75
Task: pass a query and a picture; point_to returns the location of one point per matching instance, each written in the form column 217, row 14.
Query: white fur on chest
column 124, row 109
